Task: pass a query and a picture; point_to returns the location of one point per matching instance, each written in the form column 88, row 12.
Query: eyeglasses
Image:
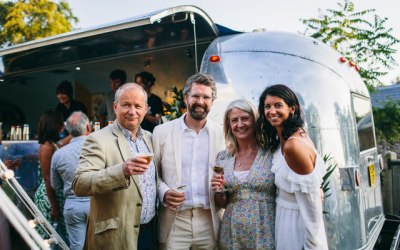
column 197, row 97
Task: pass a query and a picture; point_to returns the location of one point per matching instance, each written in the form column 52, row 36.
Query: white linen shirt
column 195, row 150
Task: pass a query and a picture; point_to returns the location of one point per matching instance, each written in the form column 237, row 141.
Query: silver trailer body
column 338, row 114
column 335, row 101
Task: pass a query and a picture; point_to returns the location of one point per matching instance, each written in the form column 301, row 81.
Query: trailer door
column 369, row 171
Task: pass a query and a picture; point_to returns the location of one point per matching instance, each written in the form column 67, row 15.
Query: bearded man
column 183, row 148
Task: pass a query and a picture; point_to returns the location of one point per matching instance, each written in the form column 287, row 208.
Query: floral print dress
column 43, row 204
column 249, row 218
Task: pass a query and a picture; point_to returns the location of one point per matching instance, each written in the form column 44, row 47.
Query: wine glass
column 218, row 168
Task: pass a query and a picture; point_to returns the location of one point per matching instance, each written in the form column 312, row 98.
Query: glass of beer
column 147, row 156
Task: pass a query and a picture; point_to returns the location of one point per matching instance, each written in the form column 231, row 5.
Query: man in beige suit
column 183, row 148
column 121, row 184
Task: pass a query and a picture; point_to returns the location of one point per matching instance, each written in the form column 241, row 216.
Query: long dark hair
column 50, row 124
column 269, row 136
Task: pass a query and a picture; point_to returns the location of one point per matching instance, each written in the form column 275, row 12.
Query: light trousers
column 76, row 212
column 193, row 230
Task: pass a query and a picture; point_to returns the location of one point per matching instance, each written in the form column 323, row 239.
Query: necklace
column 245, row 161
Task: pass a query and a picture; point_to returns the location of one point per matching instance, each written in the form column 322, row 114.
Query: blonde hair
column 246, row 106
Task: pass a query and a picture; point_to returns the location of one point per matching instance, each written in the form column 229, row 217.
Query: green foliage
column 386, row 119
column 4, row 8
column 325, row 185
column 27, row 20
column 325, row 180
column 178, row 107
column 361, row 40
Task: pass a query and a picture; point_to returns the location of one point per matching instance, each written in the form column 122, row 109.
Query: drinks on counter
column 19, row 134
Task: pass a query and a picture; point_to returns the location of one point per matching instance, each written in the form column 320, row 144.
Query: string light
column 49, row 242
column 33, row 223
column 8, row 174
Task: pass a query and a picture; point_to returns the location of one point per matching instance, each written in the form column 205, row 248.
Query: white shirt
column 241, row 175
column 195, row 150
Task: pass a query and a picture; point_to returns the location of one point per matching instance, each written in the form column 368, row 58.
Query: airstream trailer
column 177, row 42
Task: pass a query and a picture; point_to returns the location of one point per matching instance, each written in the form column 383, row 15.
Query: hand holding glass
column 218, row 168
column 138, row 164
column 147, row 156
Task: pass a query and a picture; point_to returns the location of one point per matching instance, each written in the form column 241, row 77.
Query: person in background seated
column 153, row 116
column 106, row 108
column 63, row 165
column 67, row 103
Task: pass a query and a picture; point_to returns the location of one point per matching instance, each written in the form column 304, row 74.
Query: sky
column 272, row 15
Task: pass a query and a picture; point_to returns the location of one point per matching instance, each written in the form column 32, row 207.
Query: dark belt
column 147, row 225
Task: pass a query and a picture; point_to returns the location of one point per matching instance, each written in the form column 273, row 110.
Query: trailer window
column 363, row 111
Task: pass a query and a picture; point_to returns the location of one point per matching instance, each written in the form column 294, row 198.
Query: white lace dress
column 299, row 219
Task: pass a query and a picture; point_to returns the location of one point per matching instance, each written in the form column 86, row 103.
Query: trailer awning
column 158, row 30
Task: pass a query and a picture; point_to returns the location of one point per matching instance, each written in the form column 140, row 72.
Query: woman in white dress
column 298, row 171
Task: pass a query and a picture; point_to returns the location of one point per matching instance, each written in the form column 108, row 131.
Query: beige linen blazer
column 167, row 155
column 115, row 201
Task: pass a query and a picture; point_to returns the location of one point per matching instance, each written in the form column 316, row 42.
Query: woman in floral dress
column 248, row 222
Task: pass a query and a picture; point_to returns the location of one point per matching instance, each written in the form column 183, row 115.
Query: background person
column 23, row 160
column 121, row 185
column 49, row 202
column 63, row 165
column 183, row 149
column 249, row 218
column 153, row 116
column 106, row 108
column 67, row 103
column 298, row 171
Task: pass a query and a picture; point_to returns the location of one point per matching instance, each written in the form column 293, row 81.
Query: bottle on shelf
column 18, row 133
column 25, row 132
column 12, row 133
column 96, row 126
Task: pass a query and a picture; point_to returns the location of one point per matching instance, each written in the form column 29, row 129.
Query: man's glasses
column 197, row 97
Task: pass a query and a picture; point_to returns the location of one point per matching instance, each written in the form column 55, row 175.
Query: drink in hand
column 147, row 156
column 218, row 169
